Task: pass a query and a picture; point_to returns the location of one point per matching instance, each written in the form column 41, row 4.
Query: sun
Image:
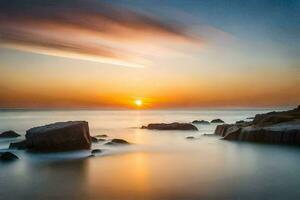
column 138, row 102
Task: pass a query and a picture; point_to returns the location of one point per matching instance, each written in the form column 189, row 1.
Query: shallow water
column 159, row 165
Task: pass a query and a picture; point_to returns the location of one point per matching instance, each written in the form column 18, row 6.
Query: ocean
column 157, row 165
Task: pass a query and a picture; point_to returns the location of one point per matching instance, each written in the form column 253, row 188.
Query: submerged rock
column 60, row 136
column 96, row 140
column 171, row 126
column 190, row 137
column 95, row 151
column 103, row 135
column 200, row 122
column 217, row 121
column 9, row 134
column 8, row 156
column 117, row 141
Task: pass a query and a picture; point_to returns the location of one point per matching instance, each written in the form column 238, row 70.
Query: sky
column 165, row 54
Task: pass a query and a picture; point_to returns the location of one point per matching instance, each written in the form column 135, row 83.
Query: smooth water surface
column 158, row 165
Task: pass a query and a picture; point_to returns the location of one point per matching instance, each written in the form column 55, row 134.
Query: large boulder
column 9, row 134
column 171, row 126
column 60, row 136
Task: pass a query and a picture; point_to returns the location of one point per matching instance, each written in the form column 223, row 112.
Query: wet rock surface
column 60, row 136
column 274, row 127
column 171, row 126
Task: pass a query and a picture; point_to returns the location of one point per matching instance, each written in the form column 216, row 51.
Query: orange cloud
column 83, row 29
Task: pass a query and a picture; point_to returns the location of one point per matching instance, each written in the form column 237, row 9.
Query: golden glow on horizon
column 138, row 102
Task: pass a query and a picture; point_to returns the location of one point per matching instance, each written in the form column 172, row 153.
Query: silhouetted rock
column 274, row 127
column 18, row 145
column 190, row 137
column 240, row 121
column 117, row 141
column 171, row 126
column 200, row 122
column 9, row 134
column 8, row 156
column 95, row 151
column 60, row 136
column 217, row 121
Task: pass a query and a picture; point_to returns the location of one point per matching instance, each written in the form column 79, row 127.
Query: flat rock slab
column 60, row 136
column 171, row 126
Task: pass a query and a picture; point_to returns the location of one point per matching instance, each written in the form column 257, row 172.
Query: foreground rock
column 9, row 134
column 171, row 126
column 60, row 136
column 273, row 127
column 217, row 121
column 117, row 141
column 7, row 156
column 200, row 122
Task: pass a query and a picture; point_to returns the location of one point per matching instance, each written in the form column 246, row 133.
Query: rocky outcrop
column 273, row 127
column 9, row 134
column 217, row 121
column 200, row 122
column 276, row 117
column 60, row 136
column 171, row 126
column 8, row 156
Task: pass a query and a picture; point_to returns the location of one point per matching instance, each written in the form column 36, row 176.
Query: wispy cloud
column 83, row 29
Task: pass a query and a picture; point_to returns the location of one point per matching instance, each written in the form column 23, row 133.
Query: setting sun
column 138, row 102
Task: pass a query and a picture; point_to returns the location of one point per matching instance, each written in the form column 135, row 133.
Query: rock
column 273, row 127
column 171, row 126
column 96, row 140
column 276, row 117
column 95, row 151
column 8, row 156
column 103, row 135
column 60, row 136
column 117, row 141
column 217, row 121
column 221, row 129
column 232, row 133
column 9, row 134
column 240, row 121
column 190, row 137
column 200, row 122
column 18, row 145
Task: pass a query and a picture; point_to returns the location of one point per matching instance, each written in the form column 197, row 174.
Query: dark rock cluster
column 274, row 127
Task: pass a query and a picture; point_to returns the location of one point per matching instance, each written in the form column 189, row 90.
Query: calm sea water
column 159, row 164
